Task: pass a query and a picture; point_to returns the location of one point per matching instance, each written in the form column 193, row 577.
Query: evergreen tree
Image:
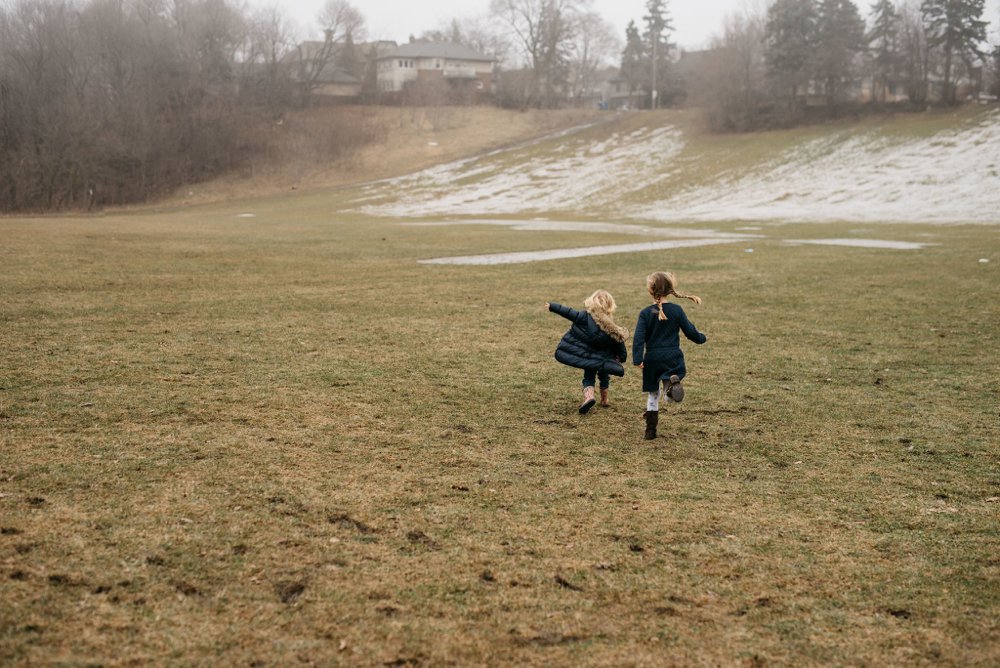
column 954, row 26
column 789, row 42
column 632, row 58
column 555, row 31
column 995, row 89
column 839, row 39
column 656, row 41
column 882, row 40
column 347, row 58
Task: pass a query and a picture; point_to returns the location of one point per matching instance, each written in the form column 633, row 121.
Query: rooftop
column 436, row 50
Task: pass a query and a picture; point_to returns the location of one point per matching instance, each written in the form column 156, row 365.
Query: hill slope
column 334, row 147
column 937, row 168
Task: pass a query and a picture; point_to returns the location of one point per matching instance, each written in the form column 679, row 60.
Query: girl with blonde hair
column 594, row 343
column 656, row 347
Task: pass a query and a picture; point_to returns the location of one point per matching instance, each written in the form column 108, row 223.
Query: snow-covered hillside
column 950, row 177
column 852, row 174
column 567, row 174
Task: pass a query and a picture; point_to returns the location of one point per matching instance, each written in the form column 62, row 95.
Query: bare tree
column 595, row 45
column 268, row 39
column 914, row 52
column 543, row 32
column 734, row 89
column 475, row 32
column 112, row 101
column 341, row 21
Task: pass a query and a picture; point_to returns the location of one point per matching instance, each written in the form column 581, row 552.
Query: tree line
column 771, row 68
column 116, row 101
column 119, row 101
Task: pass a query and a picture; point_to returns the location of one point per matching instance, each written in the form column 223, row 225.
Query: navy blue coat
column 587, row 346
column 657, row 344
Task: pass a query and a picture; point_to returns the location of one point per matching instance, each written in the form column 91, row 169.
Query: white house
column 459, row 66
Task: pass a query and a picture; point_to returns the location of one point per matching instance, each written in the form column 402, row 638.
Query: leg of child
column 588, row 390
column 652, row 414
column 605, row 379
column 673, row 390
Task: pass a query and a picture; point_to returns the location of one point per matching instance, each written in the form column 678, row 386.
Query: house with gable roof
column 461, row 67
column 314, row 65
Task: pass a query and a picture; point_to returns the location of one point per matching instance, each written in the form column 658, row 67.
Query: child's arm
column 621, row 353
column 691, row 331
column 639, row 341
column 567, row 312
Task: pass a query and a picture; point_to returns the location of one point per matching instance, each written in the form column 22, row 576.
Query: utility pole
column 653, row 102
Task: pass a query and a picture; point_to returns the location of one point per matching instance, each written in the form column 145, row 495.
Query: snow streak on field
column 951, row 177
column 851, row 175
column 568, row 177
column 680, row 238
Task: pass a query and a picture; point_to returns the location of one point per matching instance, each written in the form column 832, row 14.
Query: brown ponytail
column 662, row 284
column 695, row 298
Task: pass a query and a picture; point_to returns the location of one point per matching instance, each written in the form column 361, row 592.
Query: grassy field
column 280, row 440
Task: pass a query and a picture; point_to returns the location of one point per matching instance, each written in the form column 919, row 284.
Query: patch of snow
column 850, row 176
column 246, row 215
column 595, row 228
column 951, row 177
column 862, row 243
column 573, row 175
column 563, row 253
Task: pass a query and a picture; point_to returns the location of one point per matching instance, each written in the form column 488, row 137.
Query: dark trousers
column 589, row 377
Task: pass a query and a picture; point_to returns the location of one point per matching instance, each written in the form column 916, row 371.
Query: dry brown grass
column 331, row 147
column 280, row 440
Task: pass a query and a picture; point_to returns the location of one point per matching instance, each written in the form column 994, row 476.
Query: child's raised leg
column 673, row 389
column 605, row 379
column 589, row 377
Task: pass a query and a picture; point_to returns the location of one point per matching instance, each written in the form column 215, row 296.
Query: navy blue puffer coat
column 587, row 346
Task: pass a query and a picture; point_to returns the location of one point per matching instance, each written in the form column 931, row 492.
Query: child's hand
column 546, row 306
column 642, row 365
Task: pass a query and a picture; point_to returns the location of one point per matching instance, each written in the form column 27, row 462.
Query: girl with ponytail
column 656, row 347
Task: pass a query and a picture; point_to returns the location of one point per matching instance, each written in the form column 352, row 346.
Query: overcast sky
column 695, row 21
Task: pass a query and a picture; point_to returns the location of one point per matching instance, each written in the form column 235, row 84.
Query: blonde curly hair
column 601, row 307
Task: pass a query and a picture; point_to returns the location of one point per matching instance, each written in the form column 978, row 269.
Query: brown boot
column 674, row 389
column 652, row 417
column 604, row 397
column 588, row 399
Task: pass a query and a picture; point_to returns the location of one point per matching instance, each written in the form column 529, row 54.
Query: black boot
column 652, row 417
